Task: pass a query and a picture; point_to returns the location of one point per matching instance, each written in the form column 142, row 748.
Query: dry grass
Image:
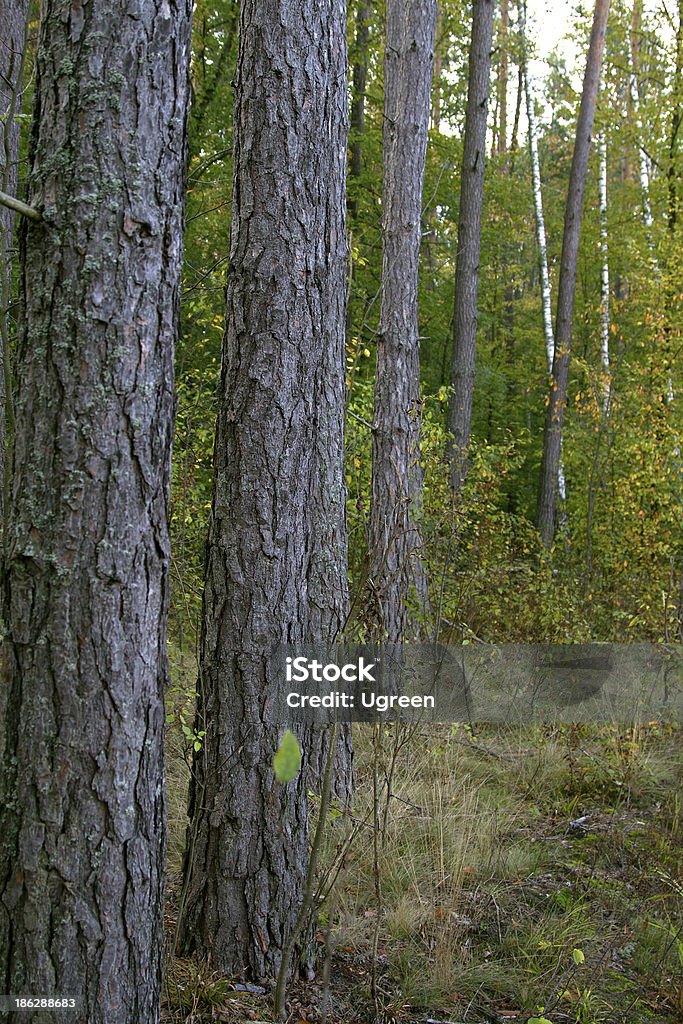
column 504, row 853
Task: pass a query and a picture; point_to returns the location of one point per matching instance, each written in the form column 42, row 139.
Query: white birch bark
column 634, row 86
column 540, row 221
column 540, row 230
column 643, row 168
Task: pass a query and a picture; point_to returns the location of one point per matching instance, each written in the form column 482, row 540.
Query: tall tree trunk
column 604, row 275
column 438, row 69
column 673, row 170
column 552, row 440
column 635, row 98
column 503, row 76
column 13, row 20
column 546, row 298
column 396, row 472
column 518, row 110
column 276, row 553
column 360, row 75
column 540, row 223
column 469, row 238
column 220, row 70
column 86, row 579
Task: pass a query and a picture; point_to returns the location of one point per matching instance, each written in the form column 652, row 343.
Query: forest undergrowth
column 526, row 874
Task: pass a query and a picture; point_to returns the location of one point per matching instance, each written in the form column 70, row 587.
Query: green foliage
column 615, row 571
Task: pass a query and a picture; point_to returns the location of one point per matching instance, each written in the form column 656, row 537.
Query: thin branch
column 19, row 207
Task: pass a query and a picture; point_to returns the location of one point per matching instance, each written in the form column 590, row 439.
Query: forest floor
column 526, row 874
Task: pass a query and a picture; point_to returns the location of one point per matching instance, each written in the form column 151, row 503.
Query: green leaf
column 579, row 956
column 287, row 761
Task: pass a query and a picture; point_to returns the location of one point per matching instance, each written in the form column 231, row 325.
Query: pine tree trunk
column 13, row 15
column 276, row 553
column 86, row 579
column 396, row 567
column 469, row 238
column 552, row 440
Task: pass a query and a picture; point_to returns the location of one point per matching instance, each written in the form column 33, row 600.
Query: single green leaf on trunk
column 287, row 761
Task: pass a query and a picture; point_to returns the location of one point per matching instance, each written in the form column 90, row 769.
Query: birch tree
column 86, row 574
column 469, row 238
column 552, row 440
column 635, row 95
column 541, row 238
column 276, row 551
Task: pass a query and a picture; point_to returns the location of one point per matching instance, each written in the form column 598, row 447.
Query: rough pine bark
column 276, row 554
column 396, row 567
column 469, row 238
column 13, row 15
column 86, row 578
column 552, row 440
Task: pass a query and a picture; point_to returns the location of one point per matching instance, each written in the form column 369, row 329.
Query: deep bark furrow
column 276, row 553
column 13, row 15
column 396, row 568
column 86, row 584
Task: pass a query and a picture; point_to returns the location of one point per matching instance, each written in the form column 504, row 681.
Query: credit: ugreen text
column 376, row 701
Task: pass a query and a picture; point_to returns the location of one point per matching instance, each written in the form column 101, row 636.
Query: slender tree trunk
column 219, row 72
column 86, row 579
column 503, row 76
column 438, row 70
column 635, row 97
column 552, row 441
column 276, row 553
column 360, row 75
column 546, row 297
column 518, row 110
column 396, row 471
column 604, row 275
column 13, row 19
column 673, row 170
column 540, row 224
column 469, row 238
